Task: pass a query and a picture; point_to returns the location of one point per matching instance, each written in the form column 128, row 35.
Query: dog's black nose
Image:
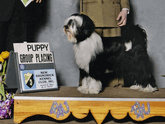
column 66, row 27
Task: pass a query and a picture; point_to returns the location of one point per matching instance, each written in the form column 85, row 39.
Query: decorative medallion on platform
column 59, row 109
column 140, row 111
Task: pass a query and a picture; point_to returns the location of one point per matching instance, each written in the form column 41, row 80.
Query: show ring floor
column 67, row 101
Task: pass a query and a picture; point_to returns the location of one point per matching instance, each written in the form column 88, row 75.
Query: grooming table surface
column 109, row 92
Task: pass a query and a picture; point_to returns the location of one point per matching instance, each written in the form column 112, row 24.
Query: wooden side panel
column 60, row 110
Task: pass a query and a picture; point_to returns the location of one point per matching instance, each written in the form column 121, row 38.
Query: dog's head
column 78, row 27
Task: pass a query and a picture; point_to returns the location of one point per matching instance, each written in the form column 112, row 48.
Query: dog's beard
column 71, row 37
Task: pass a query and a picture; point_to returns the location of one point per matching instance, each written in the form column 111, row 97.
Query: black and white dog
column 100, row 59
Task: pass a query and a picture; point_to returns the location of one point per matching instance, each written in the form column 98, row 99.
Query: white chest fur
column 86, row 50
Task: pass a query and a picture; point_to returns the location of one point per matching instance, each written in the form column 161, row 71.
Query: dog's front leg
column 95, row 86
column 84, row 87
column 90, row 86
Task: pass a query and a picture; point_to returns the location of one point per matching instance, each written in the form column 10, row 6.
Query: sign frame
column 33, row 77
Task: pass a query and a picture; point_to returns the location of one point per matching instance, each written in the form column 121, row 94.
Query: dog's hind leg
column 145, row 85
column 149, row 85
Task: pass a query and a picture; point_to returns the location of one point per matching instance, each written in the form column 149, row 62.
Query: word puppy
column 99, row 60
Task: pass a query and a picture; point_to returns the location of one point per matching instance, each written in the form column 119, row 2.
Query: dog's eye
column 66, row 26
column 70, row 22
column 72, row 25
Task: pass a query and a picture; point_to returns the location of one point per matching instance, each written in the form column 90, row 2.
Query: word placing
column 58, row 109
column 140, row 111
column 44, row 58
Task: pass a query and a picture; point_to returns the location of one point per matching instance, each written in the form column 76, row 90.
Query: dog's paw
column 94, row 91
column 83, row 90
column 136, row 87
column 88, row 91
column 149, row 88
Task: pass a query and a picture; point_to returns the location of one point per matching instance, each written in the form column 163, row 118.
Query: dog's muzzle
column 69, row 34
column 66, row 26
column 66, row 29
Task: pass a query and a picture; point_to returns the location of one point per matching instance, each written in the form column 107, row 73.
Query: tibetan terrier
column 100, row 59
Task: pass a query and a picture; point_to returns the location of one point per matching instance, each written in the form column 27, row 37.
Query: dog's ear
column 86, row 29
column 88, row 26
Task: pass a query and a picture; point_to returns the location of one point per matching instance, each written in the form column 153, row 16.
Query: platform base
column 59, row 108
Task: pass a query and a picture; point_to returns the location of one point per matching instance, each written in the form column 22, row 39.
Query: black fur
column 136, row 65
column 133, row 65
column 86, row 29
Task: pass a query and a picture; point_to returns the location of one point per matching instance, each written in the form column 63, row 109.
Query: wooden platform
column 119, row 102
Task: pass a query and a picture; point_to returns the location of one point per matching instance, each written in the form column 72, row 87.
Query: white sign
column 36, row 67
column 30, row 53
column 31, row 47
column 38, row 79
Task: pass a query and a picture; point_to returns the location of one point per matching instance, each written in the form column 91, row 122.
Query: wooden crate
column 60, row 104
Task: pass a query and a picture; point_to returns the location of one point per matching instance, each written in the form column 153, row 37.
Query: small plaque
column 35, row 67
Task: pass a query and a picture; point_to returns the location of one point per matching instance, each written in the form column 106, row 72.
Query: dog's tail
column 136, row 34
